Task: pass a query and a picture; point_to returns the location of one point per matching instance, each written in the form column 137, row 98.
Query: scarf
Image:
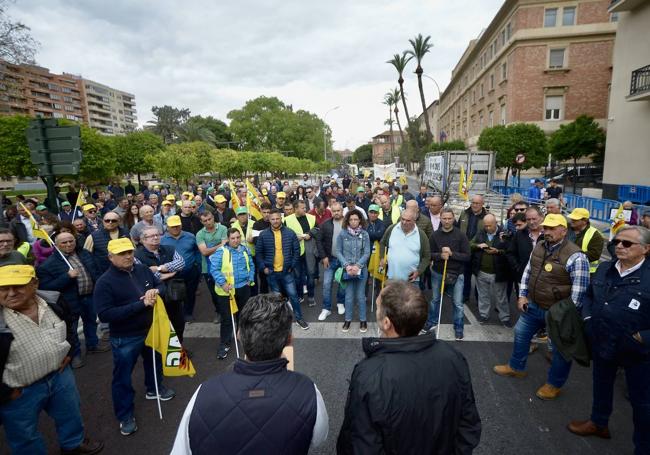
column 354, row 232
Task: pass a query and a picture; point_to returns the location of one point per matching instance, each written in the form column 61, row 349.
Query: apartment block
column 539, row 62
column 109, row 110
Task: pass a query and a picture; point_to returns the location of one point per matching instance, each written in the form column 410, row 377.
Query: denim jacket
column 353, row 249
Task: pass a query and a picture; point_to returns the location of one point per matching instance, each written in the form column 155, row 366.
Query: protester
column 8, row 255
column 390, row 214
column 433, row 207
column 223, row 215
column 353, row 251
column 90, row 217
column 587, row 237
column 634, row 216
column 35, row 352
column 421, row 221
column 288, row 406
column 259, row 226
column 615, row 311
column 233, row 271
column 554, row 191
column 422, row 196
column 326, row 239
column 208, row 240
column 411, row 394
column 97, row 241
column 189, row 221
column 66, row 213
column 146, row 219
column 303, row 224
column 124, row 297
column 321, row 212
column 405, row 249
column 21, row 226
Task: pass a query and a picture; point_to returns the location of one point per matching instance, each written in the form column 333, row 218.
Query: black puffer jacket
column 410, row 396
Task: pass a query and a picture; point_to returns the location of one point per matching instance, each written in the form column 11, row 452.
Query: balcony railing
column 640, row 81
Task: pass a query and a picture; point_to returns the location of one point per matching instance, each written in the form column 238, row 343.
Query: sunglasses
column 624, row 243
column 112, row 220
column 520, row 210
column 92, row 211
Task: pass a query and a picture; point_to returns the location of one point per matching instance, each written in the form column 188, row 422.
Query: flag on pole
column 162, row 338
column 462, row 184
column 402, row 180
column 36, row 230
column 617, row 222
column 233, row 304
column 373, row 263
column 253, row 203
column 234, row 199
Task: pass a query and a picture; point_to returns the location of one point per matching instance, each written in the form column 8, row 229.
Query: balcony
column 640, row 84
column 616, row 6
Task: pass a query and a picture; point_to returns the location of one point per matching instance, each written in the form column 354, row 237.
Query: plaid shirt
column 578, row 267
column 84, row 280
column 175, row 265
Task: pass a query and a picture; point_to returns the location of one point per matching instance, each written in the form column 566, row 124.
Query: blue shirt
column 185, row 245
column 403, row 253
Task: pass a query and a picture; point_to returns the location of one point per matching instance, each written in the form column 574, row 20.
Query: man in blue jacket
column 616, row 311
column 76, row 287
column 125, row 296
column 277, row 253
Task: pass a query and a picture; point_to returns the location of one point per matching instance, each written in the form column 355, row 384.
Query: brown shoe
column 87, row 448
column 547, row 392
column 588, row 428
column 505, row 370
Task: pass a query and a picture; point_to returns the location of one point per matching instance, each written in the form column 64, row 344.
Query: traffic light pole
column 48, row 177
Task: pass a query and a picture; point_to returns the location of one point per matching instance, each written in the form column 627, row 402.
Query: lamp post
column 438, row 88
column 325, row 132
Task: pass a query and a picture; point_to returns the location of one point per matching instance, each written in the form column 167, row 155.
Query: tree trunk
column 575, row 174
column 399, row 125
column 406, row 111
column 139, row 182
column 506, row 180
column 419, row 72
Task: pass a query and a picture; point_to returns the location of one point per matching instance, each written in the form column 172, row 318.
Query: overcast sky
column 213, row 56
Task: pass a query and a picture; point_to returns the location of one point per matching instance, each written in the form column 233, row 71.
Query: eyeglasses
column 112, row 220
column 152, row 236
column 92, row 211
column 624, row 243
column 520, row 210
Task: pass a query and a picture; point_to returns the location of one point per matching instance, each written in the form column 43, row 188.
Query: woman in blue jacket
column 233, row 270
column 353, row 252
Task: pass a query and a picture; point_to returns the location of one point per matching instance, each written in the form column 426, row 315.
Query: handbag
column 176, row 290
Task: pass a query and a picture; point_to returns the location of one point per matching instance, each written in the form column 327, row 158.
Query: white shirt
column 624, row 273
column 182, row 441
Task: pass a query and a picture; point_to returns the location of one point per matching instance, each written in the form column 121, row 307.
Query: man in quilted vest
column 557, row 270
column 260, row 406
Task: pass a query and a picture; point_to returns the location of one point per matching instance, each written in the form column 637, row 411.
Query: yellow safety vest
column 292, row 223
column 585, row 246
column 398, row 202
column 395, row 214
column 249, row 230
column 24, row 248
column 226, row 269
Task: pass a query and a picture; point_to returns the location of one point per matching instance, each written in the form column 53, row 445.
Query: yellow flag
column 373, row 263
column 402, row 180
column 618, row 222
column 251, row 202
column 234, row 199
column 162, row 338
column 233, row 304
column 36, row 230
column 81, row 199
column 366, row 174
column 462, row 184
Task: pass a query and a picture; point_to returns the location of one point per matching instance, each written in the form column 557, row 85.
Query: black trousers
column 242, row 295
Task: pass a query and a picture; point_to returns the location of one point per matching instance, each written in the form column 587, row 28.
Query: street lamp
column 325, row 132
column 437, row 87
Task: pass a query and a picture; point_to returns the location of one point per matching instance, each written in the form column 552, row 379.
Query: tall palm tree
column 400, row 62
column 392, row 99
column 421, row 47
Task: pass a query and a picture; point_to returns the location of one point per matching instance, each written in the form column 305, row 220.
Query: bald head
column 412, row 205
column 490, row 223
column 477, row 204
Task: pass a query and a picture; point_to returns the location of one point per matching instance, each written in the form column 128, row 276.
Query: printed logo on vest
column 258, row 393
column 634, row 304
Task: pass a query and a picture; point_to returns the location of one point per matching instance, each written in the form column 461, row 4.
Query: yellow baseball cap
column 16, row 275
column 281, row 194
column 170, row 197
column 167, row 203
column 120, row 245
column 579, row 214
column 188, row 194
column 174, row 221
column 554, row 220
column 220, row 199
column 88, row 207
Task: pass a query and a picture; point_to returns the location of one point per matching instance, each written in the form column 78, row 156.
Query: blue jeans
column 126, row 351
column 285, row 281
column 356, row 290
column 303, row 277
column 636, row 375
column 527, row 326
column 89, row 318
column 328, row 278
column 57, row 395
column 457, row 296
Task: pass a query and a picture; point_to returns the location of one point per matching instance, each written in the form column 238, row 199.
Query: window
column 569, row 15
column 66, row 90
column 503, row 36
column 67, row 99
column 54, row 97
column 504, row 71
column 71, row 117
column 490, row 119
column 556, row 58
column 57, row 106
column 508, row 31
column 480, row 122
column 481, row 89
column 613, row 17
column 553, row 107
column 550, row 17
column 57, row 115
column 69, row 108
column 492, row 81
column 503, row 114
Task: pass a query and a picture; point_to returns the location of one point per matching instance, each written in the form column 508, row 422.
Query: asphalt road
column 514, row 420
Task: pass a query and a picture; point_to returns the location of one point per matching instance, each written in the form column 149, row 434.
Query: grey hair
column 553, row 201
column 265, row 326
column 644, row 233
column 149, row 228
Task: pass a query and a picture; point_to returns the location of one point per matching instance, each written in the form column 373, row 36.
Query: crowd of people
column 110, row 252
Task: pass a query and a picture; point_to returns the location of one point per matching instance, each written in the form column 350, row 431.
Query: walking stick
column 153, row 356
column 385, row 268
column 233, row 304
column 372, row 296
column 442, row 296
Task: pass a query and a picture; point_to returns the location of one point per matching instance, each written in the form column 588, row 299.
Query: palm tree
column 191, row 131
column 392, row 99
column 421, row 47
column 400, row 62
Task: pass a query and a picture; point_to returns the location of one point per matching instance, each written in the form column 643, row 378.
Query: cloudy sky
column 213, row 56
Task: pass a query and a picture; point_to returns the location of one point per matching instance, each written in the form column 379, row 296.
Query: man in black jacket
column 395, row 404
column 326, row 238
column 524, row 241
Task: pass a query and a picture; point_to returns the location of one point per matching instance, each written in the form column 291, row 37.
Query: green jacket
column 566, row 330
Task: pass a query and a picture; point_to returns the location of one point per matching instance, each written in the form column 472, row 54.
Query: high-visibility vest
column 249, row 231
column 24, row 248
column 397, row 202
column 395, row 214
column 292, row 223
column 585, row 246
column 227, row 270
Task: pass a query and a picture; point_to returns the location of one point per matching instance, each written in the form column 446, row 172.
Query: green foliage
column 451, row 145
column 580, row 138
column 99, row 160
column 13, row 147
column 509, row 141
column 167, row 121
column 267, row 124
column 218, row 128
column 363, row 154
column 182, row 161
column 132, row 151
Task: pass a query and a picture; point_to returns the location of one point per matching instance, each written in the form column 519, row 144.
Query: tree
column 220, row 130
column 132, row 152
column 99, row 159
column 580, row 138
column 509, row 141
column 167, row 121
column 14, row 151
column 400, row 62
column 181, row 161
column 451, row 145
column 421, row 47
column 16, row 44
column 363, row 154
column 192, row 131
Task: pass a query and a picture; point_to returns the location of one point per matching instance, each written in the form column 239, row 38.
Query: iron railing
column 640, row 81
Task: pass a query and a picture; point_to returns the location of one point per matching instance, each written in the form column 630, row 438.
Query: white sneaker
column 304, row 289
column 341, row 308
column 323, row 315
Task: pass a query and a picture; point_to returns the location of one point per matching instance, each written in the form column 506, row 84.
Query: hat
column 554, row 220
column 120, row 245
column 361, row 189
column 265, row 191
column 241, row 211
column 188, row 194
column 579, row 214
column 282, row 194
column 41, row 207
column 16, row 275
column 167, row 203
column 210, row 189
column 220, row 199
column 65, row 204
column 156, row 187
column 174, row 220
column 374, row 208
column 170, row 197
column 88, row 207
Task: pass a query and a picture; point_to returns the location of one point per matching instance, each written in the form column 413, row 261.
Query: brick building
column 385, row 147
column 537, row 62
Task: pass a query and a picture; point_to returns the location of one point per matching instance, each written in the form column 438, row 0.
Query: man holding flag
column 124, row 297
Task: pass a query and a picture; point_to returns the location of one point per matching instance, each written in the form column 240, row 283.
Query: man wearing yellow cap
column 587, row 237
column 124, row 297
column 35, row 349
column 223, row 214
column 90, row 217
column 557, row 270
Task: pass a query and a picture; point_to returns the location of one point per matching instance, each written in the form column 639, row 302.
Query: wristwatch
column 158, row 269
